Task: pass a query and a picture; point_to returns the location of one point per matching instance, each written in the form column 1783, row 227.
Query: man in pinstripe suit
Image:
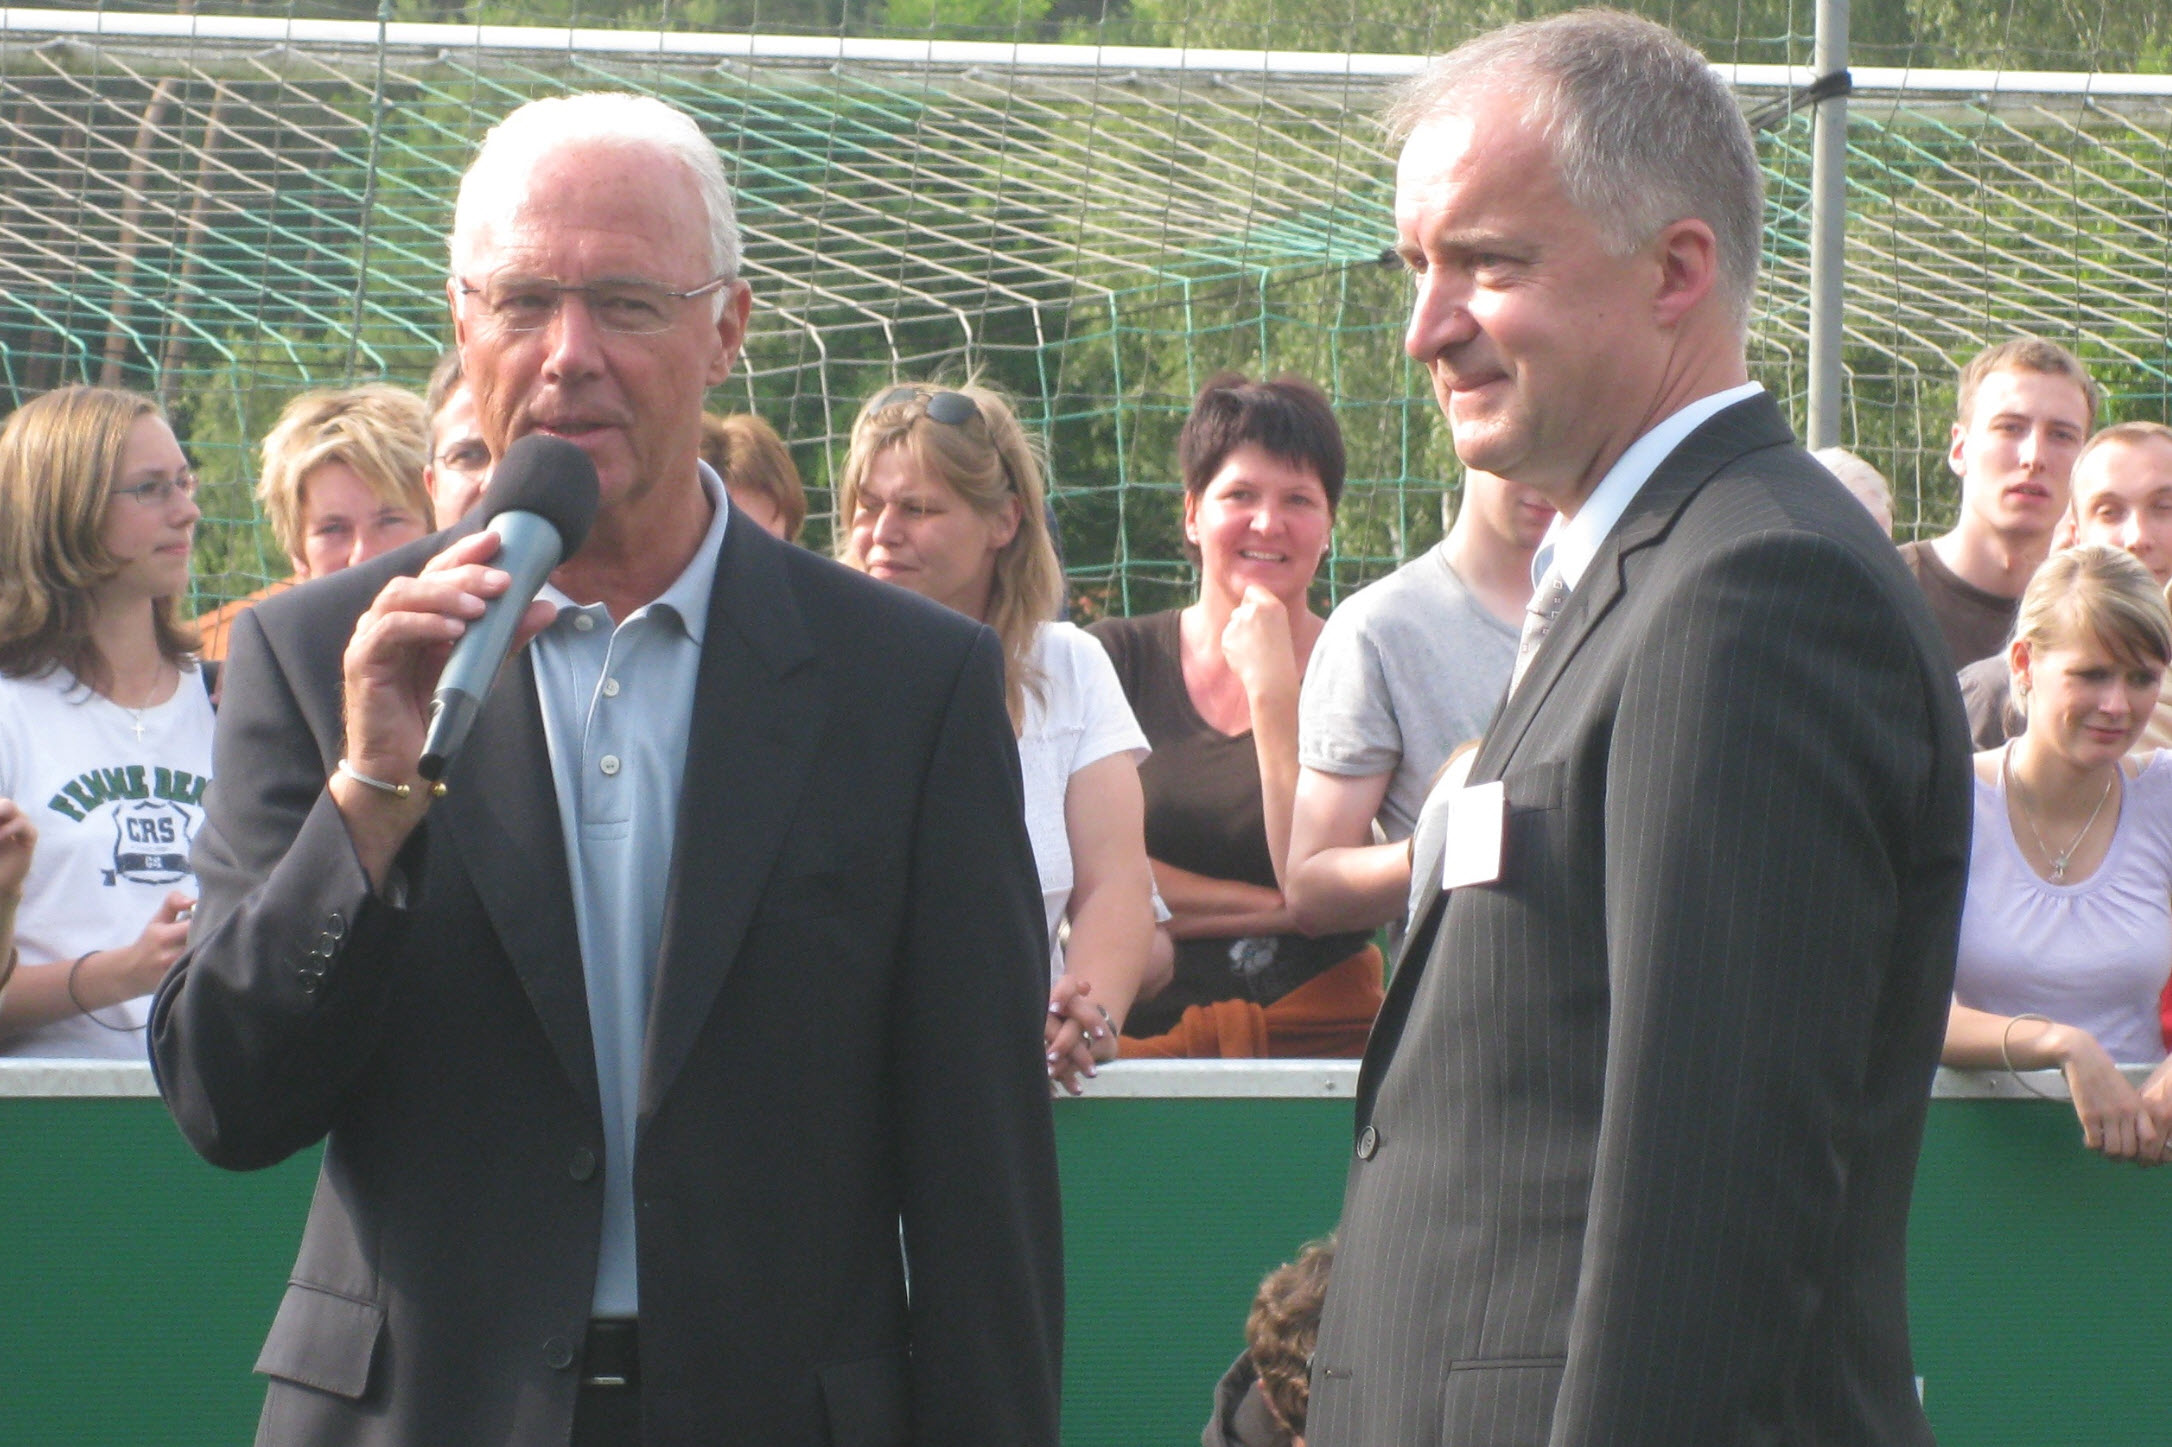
column 1637, row 1127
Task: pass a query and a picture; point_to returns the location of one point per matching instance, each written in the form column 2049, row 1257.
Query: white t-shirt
column 1079, row 717
column 2093, row 954
column 116, row 814
column 1405, row 670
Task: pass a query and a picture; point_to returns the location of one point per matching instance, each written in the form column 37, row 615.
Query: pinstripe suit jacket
column 1637, row 1128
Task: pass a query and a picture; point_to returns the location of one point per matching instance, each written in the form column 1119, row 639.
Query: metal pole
column 1828, row 226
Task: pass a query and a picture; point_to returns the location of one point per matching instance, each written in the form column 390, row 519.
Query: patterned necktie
column 1538, row 620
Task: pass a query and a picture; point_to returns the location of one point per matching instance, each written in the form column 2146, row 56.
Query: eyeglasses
column 469, row 458
column 629, row 308
column 952, row 409
column 159, row 490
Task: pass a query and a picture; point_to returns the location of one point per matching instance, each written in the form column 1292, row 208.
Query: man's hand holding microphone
column 423, row 656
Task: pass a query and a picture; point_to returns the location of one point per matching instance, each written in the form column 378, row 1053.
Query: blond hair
column 2096, row 594
column 60, row 456
column 985, row 466
column 2124, row 434
column 380, row 431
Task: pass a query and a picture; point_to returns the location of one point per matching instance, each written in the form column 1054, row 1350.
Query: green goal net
column 225, row 209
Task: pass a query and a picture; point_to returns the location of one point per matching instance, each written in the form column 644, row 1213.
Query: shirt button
column 582, row 623
column 557, row 1353
column 610, row 688
column 1368, row 1143
column 609, row 763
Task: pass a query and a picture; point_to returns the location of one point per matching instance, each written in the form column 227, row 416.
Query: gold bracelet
column 397, row 791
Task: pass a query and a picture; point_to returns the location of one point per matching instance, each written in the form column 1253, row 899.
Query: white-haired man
column 1637, row 1126
column 645, row 1058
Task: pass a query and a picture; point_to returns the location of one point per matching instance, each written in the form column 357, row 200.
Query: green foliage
column 328, row 265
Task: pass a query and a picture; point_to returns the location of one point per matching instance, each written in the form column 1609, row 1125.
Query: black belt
column 611, row 1356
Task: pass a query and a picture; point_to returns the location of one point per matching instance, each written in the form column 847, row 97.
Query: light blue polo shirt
column 617, row 703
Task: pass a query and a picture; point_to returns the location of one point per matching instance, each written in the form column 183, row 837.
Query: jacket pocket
column 1536, row 786
column 324, row 1340
column 1501, row 1401
column 868, row 1401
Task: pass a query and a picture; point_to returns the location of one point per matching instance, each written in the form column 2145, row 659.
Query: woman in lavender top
column 2066, row 937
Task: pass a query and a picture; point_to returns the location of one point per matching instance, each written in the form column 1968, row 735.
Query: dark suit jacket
column 1638, row 1125
column 845, row 1033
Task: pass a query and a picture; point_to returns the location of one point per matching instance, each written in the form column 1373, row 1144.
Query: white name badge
column 1471, row 854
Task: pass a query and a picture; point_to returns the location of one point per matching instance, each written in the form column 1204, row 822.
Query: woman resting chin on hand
column 2066, row 935
column 1215, row 686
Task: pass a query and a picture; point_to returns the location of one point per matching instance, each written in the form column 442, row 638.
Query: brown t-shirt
column 1976, row 623
column 1204, row 813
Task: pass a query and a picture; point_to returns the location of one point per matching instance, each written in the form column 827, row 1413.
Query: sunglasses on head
column 952, row 409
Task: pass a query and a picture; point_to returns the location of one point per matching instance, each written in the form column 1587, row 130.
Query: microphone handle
column 529, row 548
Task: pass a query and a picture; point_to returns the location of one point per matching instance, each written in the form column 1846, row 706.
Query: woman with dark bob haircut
column 1215, row 687
column 105, row 726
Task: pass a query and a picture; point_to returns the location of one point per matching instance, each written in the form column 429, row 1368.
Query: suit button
column 1368, row 1142
column 583, row 1164
column 557, row 1354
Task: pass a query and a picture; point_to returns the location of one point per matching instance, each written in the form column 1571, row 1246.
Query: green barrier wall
column 136, row 1282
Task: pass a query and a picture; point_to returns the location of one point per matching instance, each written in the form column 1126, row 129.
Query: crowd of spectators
column 1220, row 798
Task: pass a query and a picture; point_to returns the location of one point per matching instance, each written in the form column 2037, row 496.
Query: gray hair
column 1644, row 132
column 1860, row 478
column 495, row 178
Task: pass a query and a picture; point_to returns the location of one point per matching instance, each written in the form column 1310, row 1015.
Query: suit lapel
column 504, row 813
column 1748, row 426
column 759, row 707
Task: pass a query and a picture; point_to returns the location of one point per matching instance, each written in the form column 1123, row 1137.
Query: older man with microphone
column 648, row 1026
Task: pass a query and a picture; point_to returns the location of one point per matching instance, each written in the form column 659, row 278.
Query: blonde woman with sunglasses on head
column 2066, row 933
column 105, row 726
column 941, row 494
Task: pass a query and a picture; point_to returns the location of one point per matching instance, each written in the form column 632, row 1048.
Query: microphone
column 540, row 502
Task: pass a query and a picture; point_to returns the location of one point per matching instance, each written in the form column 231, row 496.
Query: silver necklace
column 2058, row 862
column 135, row 715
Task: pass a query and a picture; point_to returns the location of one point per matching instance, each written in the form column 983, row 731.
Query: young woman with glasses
column 105, row 726
column 941, row 494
